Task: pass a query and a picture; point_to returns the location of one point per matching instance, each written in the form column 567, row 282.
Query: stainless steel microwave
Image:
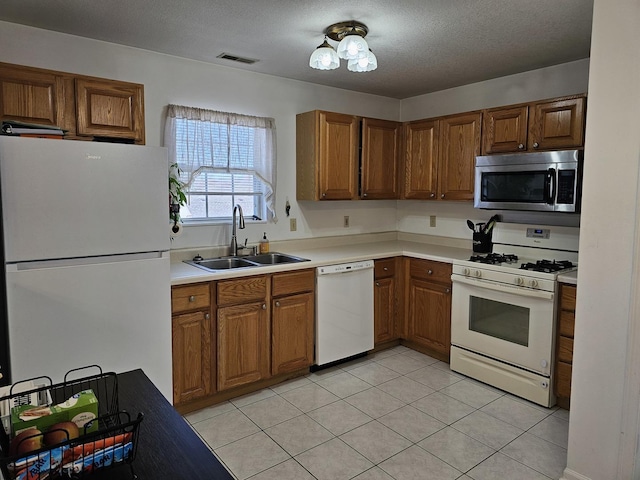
column 539, row 181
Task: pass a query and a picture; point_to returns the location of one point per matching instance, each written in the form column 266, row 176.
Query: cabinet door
column 292, row 333
column 557, row 124
column 430, row 315
column 243, row 344
column 380, row 151
column 192, row 358
column 459, row 145
column 384, row 309
column 421, row 160
column 36, row 96
column 338, row 156
column 108, row 108
column 505, row 130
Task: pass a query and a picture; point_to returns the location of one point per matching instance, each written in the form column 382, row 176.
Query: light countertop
column 570, row 277
column 182, row 273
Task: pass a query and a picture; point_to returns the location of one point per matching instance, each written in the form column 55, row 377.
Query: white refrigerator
column 87, row 257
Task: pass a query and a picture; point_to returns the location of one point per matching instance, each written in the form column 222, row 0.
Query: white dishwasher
column 344, row 311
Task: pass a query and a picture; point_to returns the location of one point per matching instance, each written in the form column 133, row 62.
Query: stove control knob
column 533, row 283
column 466, row 272
column 544, row 384
column 519, row 281
column 477, row 273
column 544, row 363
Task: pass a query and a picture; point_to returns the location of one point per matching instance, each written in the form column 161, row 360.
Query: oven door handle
column 504, row 288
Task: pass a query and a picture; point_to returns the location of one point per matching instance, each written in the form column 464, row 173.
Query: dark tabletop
column 167, row 446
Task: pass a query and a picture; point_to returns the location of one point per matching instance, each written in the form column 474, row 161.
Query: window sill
column 216, row 222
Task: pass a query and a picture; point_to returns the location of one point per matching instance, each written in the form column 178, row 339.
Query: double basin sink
column 248, row 261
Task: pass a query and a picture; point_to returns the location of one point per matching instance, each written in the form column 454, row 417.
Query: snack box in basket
column 80, row 409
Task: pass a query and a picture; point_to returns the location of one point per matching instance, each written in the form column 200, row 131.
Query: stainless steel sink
column 274, row 258
column 222, row 263
column 249, row 261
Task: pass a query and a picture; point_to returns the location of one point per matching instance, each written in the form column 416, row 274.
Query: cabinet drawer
column 293, row 282
column 565, row 349
column 567, row 323
column 430, row 270
column 568, row 297
column 563, row 380
column 242, row 290
column 190, row 297
column 385, row 268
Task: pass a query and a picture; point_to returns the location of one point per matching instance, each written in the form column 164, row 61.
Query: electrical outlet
column 293, row 225
column 432, row 220
column 346, row 221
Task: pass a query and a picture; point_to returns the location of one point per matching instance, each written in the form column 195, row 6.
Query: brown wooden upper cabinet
column 553, row 124
column 328, row 161
column 440, row 157
column 84, row 106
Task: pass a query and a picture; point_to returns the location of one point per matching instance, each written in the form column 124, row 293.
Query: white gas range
column 503, row 317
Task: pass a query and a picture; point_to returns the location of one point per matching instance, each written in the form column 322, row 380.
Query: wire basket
column 107, row 441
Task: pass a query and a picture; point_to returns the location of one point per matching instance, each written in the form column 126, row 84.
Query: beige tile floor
column 395, row 414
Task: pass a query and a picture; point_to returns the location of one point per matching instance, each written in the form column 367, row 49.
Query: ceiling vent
column 235, row 58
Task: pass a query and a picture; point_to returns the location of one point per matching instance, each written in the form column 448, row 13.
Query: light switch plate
column 293, row 225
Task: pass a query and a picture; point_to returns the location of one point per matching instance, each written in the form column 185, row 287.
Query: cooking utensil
column 479, row 227
column 471, row 225
column 490, row 224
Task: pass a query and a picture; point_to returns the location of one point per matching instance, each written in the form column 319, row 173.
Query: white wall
column 170, row 79
column 601, row 423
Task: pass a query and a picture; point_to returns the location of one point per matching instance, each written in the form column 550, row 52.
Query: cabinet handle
column 377, row 284
column 364, row 194
column 385, row 268
column 430, row 272
column 324, row 194
column 433, row 195
column 277, row 304
column 536, row 144
column 448, row 290
column 521, row 147
column 192, row 298
column 207, row 316
column 264, row 306
column 442, row 196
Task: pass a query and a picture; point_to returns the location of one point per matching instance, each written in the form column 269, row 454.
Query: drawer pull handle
column 264, row 306
column 192, row 298
column 385, row 269
column 207, row 316
column 448, row 290
column 277, row 304
column 377, row 284
column 430, row 272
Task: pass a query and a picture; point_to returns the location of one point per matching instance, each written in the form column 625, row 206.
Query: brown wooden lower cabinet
column 428, row 299
column 191, row 336
column 564, row 344
column 384, row 301
column 243, row 344
column 292, row 333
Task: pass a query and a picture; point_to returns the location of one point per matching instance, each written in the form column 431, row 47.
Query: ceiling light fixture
column 351, row 47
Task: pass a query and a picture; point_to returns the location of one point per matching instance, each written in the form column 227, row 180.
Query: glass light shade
column 365, row 63
column 352, row 46
column 324, row 57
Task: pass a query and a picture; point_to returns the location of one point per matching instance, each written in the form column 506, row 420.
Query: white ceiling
column 422, row 46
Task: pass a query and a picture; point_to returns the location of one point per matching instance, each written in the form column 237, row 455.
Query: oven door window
column 499, row 320
column 515, row 187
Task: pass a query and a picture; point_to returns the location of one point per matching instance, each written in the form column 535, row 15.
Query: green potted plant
column 177, row 197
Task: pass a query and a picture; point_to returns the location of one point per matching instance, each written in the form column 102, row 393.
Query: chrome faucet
column 234, row 241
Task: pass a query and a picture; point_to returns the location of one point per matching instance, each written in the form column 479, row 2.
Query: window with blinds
column 224, row 159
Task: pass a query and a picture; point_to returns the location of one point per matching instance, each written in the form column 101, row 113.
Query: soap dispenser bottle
column 264, row 244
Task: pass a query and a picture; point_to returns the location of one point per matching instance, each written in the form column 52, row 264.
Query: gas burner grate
column 494, row 258
column 547, row 266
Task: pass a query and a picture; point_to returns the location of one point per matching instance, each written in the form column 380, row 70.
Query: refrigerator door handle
column 74, row 262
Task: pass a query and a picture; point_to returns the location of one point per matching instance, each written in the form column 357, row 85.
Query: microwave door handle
column 551, row 186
